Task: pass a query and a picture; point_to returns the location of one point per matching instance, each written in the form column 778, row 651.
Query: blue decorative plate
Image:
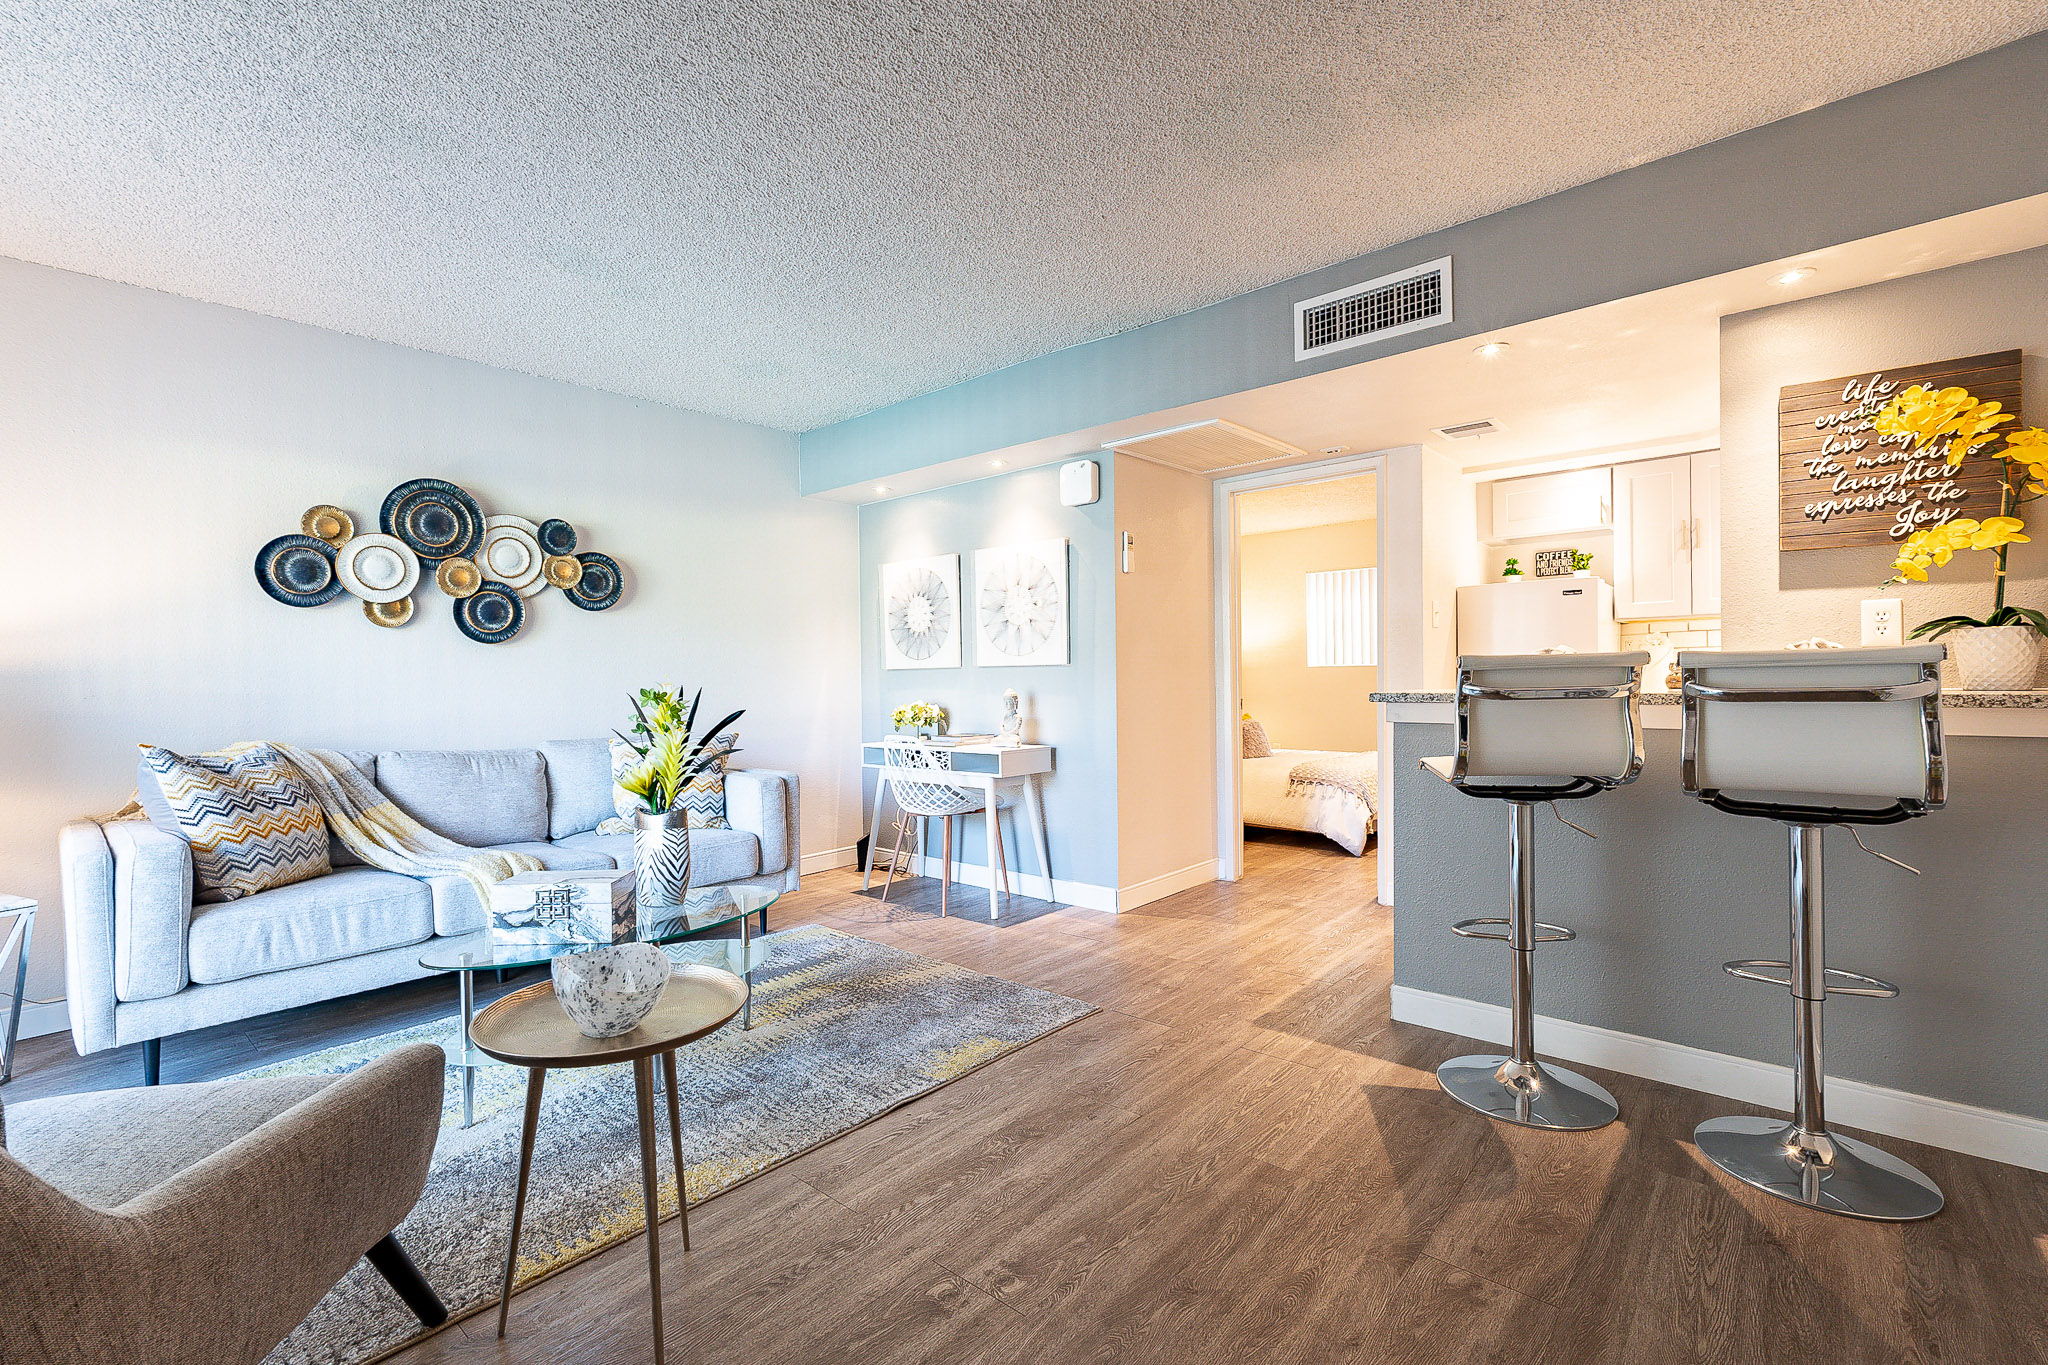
column 556, row 537
column 600, row 585
column 491, row 615
column 298, row 571
column 434, row 518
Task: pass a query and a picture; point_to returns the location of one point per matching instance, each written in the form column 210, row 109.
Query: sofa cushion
column 702, row 798
column 716, row 855
column 478, row 797
column 456, row 908
column 151, row 798
column 579, row 785
column 344, row 914
column 251, row 819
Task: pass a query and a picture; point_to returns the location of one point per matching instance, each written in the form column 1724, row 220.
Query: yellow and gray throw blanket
column 371, row 826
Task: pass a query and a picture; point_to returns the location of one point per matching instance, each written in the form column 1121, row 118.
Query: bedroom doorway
column 1300, row 621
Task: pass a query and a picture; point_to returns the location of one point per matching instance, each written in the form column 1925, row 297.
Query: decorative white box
column 564, row 907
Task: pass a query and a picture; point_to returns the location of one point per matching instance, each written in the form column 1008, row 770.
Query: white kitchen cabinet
column 1551, row 504
column 1667, row 537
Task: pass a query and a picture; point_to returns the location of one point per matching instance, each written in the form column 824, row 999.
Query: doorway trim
column 1229, row 797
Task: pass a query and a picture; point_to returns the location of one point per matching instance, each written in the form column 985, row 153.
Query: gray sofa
column 144, row 962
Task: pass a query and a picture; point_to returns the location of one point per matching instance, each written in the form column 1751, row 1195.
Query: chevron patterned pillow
column 252, row 821
column 703, row 796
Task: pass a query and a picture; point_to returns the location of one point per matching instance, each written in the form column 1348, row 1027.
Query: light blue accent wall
column 1072, row 708
column 1967, row 135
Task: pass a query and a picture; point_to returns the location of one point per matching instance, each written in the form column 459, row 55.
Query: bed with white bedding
column 1333, row 793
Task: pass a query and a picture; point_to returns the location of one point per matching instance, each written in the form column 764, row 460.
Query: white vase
column 609, row 991
column 1994, row 658
column 661, row 858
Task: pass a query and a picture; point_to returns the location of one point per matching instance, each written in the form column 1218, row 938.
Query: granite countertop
column 2035, row 699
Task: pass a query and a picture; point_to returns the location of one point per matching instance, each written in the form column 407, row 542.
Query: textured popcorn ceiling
column 795, row 212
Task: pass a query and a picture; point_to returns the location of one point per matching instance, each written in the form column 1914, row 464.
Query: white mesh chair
column 1813, row 738
column 1536, row 729
column 923, row 799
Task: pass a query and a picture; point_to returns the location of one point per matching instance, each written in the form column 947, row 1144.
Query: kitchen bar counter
column 1672, row 889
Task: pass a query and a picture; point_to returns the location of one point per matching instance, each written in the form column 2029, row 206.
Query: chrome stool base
column 1845, row 1176
column 1532, row 1094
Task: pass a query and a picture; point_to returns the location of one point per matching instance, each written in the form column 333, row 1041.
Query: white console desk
column 990, row 768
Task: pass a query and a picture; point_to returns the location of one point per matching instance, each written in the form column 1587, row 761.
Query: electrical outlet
column 1884, row 621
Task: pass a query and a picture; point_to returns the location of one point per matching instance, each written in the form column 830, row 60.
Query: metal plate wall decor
column 600, row 584
column 458, row 577
column 298, row 571
column 563, row 571
column 557, row 537
column 330, row 524
column 512, row 555
column 389, row 613
column 487, row 566
column 492, row 614
column 377, row 568
column 434, row 517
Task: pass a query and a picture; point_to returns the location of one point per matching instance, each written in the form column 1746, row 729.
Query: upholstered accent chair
column 199, row 1224
column 144, row 960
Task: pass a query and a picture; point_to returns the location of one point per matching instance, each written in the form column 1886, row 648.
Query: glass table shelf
column 669, row 927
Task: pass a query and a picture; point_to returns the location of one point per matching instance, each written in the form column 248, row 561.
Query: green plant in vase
column 1513, row 569
column 2001, row 650
column 1582, row 562
column 669, row 753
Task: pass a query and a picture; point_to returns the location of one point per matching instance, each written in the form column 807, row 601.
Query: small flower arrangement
column 918, row 715
column 1962, row 424
column 667, row 756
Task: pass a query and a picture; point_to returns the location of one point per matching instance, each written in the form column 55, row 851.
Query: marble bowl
column 608, row 991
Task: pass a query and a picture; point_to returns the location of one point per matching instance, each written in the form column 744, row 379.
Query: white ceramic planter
column 1994, row 658
column 609, row 991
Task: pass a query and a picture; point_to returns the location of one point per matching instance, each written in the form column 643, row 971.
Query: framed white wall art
column 921, row 616
column 1020, row 605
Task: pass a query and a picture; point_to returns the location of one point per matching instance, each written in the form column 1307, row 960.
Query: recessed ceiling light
column 997, row 464
column 883, row 488
column 1794, row 275
column 1490, row 349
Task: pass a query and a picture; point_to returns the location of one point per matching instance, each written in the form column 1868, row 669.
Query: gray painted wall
column 1813, row 180
column 1072, row 708
column 1770, row 599
column 1672, row 889
column 150, row 444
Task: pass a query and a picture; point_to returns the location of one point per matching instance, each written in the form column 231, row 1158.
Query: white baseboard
column 40, row 1020
column 825, row 859
column 1160, row 887
column 1086, row 895
column 2012, row 1138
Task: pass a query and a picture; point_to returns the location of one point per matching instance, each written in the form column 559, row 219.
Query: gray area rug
column 845, row 1030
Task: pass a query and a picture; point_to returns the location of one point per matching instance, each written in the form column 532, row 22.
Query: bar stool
column 1813, row 738
column 1536, row 729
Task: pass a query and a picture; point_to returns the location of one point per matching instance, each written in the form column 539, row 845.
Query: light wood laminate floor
column 1242, row 1159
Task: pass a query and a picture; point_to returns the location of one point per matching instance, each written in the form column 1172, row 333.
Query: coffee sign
column 1840, row 483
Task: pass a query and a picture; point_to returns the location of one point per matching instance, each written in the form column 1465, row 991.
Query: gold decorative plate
column 459, row 577
column 563, row 571
column 330, row 524
column 389, row 613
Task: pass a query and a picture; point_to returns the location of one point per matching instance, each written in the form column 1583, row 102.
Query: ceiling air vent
column 1373, row 311
column 1207, row 447
column 1465, row 431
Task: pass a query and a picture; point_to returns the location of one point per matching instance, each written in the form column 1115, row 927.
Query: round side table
column 529, row 1028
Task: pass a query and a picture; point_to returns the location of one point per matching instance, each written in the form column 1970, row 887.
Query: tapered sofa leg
column 152, row 1060
column 404, row 1277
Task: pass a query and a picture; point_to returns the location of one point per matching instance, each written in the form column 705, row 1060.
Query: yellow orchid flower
column 1998, row 531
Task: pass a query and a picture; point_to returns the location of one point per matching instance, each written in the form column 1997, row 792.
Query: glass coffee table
column 702, row 910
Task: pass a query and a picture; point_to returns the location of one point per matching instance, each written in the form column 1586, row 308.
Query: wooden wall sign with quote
column 1840, row 483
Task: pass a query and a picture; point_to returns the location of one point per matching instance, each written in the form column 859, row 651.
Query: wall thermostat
column 1080, row 483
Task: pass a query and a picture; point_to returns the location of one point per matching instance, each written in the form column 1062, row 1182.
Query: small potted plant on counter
column 2002, row 650
column 1582, row 564
column 1513, row 569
